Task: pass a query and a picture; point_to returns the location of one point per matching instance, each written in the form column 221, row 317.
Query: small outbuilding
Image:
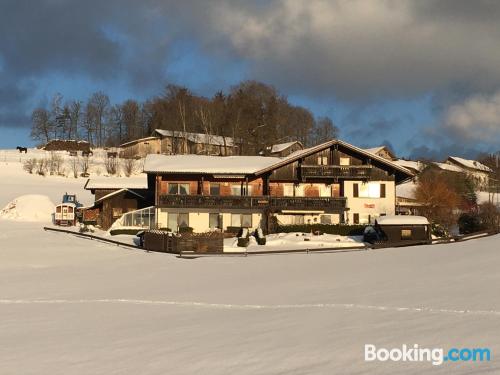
column 399, row 230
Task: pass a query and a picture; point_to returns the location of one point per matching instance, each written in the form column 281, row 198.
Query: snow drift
column 32, row 207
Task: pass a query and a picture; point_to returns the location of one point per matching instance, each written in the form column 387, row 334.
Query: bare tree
column 41, row 125
column 100, row 103
column 75, row 165
column 84, row 165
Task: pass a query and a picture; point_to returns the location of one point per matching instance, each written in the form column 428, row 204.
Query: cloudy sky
column 422, row 76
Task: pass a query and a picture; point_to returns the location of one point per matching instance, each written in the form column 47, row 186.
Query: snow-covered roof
column 415, row 165
column 117, row 192
column 155, row 163
column 132, row 182
column 376, row 150
column 472, row 164
column 138, row 140
column 282, row 146
column 406, row 190
column 448, row 167
column 402, row 220
column 197, row 137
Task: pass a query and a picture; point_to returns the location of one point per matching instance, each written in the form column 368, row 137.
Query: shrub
column 469, row 223
column 130, row 231
column 111, row 165
column 342, row 230
column 41, row 167
column 29, row 165
column 185, row 230
column 128, row 166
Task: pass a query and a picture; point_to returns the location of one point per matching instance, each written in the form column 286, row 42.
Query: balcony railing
column 327, row 204
column 336, row 171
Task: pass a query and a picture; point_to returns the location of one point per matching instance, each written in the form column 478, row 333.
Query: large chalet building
column 334, row 182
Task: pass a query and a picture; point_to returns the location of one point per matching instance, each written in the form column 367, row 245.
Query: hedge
column 131, row 231
column 342, row 230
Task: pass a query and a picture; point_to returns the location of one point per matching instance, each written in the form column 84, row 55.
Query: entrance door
column 64, row 215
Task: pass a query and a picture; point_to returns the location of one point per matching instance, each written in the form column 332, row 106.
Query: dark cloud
column 357, row 52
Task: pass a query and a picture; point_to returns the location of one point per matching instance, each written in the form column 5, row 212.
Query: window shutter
column 355, row 192
column 355, row 218
column 382, row 190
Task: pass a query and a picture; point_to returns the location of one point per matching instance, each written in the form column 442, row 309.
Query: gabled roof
column 133, row 182
column 118, row 192
column 410, row 164
column 249, row 165
column 200, row 138
column 471, row 164
column 311, row 150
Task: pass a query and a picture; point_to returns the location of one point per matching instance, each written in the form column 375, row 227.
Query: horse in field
column 22, row 149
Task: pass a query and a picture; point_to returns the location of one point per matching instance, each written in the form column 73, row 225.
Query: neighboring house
column 415, row 166
column 382, row 151
column 406, row 204
column 139, row 148
column 171, row 142
column 115, row 196
column 480, row 173
column 177, row 142
column 334, row 182
column 284, row 149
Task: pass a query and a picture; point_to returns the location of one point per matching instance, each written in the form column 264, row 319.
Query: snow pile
column 32, row 207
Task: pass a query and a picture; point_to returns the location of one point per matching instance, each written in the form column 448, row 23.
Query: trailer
column 65, row 214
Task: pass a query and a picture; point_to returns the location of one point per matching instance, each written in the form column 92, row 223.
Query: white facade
column 369, row 205
column 203, row 220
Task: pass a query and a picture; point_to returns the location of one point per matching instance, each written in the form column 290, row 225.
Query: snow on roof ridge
column 278, row 147
column 473, row 164
column 102, row 182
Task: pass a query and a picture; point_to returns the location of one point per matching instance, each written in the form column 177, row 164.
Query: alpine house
column 334, row 182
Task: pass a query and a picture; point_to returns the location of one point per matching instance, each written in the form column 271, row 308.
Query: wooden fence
column 166, row 242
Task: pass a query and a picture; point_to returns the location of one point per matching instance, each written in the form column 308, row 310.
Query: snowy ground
column 289, row 241
column 75, row 306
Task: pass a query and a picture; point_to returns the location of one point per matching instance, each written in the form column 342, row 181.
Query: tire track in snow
column 228, row 306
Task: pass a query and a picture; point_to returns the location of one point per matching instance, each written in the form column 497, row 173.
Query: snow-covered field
column 75, row 306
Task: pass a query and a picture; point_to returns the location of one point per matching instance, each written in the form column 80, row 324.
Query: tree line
column 255, row 114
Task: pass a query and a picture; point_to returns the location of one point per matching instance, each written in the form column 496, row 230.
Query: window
column 215, row 221
column 236, row 189
column 367, row 190
column 246, row 220
column 355, row 218
column 406, row 234
column 326, row 219
column 345, row 161
column 235, row 220
column 288, row 190
column 117, row 211
column 241, row 220
column 176, row 220
column 382, row 190
column 322, row 160
column 179, row 189
column 214, row 189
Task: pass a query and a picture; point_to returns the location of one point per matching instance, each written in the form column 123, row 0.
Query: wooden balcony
column 336, row 171
column 326, row 204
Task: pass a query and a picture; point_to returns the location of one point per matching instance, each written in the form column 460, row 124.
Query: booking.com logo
column 436, row 356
